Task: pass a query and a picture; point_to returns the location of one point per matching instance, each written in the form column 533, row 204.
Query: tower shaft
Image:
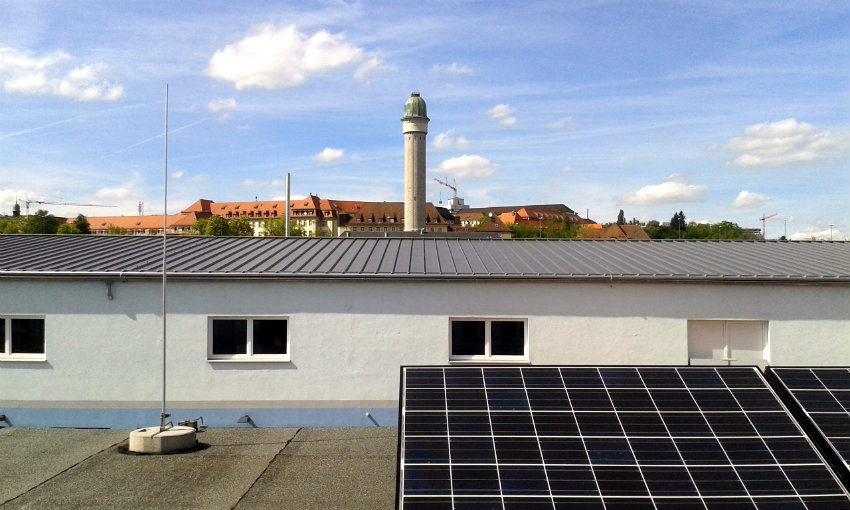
column 414, row 181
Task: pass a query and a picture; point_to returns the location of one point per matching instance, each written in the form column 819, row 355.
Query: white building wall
column 349, row 338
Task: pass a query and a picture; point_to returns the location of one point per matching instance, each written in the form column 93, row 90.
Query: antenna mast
column 163, row 416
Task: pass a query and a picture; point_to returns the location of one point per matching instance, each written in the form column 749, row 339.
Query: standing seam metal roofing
column 426, row 257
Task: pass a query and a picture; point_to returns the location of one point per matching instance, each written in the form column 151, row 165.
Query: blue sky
column 724, row 110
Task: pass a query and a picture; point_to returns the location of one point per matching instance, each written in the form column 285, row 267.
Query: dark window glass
column 467, row 338
column 507, row 338
column 270, row 336
column 27, row 336
column 3, row 335
column 230, row 336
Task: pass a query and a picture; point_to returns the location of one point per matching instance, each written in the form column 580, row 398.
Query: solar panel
column 821, row 397
column 507, row 437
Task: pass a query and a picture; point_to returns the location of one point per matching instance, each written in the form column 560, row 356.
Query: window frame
column 249, row 356
column 488, row 357
column 6, row 353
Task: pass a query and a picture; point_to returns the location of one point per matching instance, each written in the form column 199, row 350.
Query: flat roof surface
column 425, row 258
column 308, row 468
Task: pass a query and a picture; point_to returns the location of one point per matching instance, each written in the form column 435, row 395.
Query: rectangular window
column 720, row 342
column 248, row 339
column 488, row 340
column 22, row 338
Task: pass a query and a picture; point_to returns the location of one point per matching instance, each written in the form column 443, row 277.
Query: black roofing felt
column 427, row 257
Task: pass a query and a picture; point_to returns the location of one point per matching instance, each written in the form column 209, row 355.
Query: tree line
column 43, row 222
column 677, row 228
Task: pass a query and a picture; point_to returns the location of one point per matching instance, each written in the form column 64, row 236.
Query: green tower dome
column 415, row 106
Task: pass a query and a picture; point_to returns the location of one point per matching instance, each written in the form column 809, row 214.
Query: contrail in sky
column 157, row 137
column 39, row 128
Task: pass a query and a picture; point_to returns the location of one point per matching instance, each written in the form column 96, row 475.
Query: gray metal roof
column 424, row 258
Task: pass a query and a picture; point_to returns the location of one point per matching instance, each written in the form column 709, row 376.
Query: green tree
column 14, row 225
column 68, row 228
column 524, row 230
column 559, row 228
column 721, row 230
column 555, row 228
column 80, row 225
column 621, row 218
column 215, row 225
column 277, row 227
column 240, row 226
column 678, row 224
column 116, row 231
column 201, row 226
column 41, row 222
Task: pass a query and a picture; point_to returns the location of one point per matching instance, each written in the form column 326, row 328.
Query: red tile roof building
column 318, row 217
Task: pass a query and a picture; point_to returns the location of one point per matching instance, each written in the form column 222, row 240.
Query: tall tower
column 414, row 125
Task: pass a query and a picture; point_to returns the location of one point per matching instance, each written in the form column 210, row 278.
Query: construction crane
column 454, row 190
column 27, row 201
column 763, row 226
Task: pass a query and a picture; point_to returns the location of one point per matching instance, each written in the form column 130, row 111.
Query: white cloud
column 21, row 73
column 748, row 200
column 453, row 68
column 221, row 105
column 786, row 142
column 328, row 154
column 251, row 183
column 177, row 175
column 113, row 193
column 467, row 166
column 372, row 66
column 673, row 190
column 292, row 198
column 504, row 114
column 8, row 197
column 565, row 123
column 273, row 58
column 447, row 140
column 508, row 121
column 196, row 179
column 818, row 234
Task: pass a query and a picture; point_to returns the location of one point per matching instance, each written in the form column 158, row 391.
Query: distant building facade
column 316, row 216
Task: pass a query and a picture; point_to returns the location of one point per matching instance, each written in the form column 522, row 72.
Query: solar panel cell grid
column 822, row 396
column 608, row 437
